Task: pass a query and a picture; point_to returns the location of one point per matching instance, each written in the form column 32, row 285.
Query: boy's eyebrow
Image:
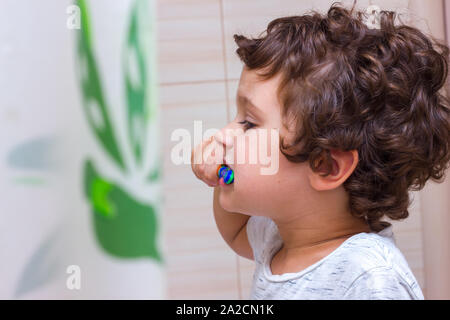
column 249, row 103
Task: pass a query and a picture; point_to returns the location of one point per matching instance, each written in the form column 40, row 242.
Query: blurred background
column 93, row 207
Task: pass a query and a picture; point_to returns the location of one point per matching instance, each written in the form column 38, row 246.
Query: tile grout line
column 224, row 55
column 225, row 67
column 167, row 84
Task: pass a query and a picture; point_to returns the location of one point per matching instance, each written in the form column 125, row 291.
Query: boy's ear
column 343, row 165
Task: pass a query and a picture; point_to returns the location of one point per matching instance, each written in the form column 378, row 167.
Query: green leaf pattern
column 125, row 227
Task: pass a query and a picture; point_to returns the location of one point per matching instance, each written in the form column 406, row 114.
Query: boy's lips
column 223, row 184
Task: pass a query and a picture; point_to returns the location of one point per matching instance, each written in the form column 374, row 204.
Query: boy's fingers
column 204, row 160
column 214, row 154
column 219, row 153
column 210, row 152
column 210, row 170
column 200, row 151
column 212, row 184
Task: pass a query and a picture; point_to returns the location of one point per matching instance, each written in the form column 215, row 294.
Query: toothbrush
column 225, row 174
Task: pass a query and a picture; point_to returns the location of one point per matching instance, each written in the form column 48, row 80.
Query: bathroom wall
column 199, row 73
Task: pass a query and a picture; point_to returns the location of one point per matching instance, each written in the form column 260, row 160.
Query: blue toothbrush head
column 226, row 173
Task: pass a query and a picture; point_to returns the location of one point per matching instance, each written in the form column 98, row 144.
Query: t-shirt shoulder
column 375, row 252
column 365, row 259
column 382, row 283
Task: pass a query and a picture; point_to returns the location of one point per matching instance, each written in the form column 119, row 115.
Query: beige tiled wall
column 199, row 74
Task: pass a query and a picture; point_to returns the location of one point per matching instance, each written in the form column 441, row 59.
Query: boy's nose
column 224, row 139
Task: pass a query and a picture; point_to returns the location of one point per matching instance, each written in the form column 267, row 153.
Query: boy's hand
column 205, row 159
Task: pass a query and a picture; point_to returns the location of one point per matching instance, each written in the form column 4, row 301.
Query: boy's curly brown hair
column 348, row 87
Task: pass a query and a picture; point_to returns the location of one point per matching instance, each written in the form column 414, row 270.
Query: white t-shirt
column 364, row 266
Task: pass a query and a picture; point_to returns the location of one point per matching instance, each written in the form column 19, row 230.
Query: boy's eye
column 247, row 125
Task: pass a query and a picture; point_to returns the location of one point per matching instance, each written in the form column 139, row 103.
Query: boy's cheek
column 251, row 184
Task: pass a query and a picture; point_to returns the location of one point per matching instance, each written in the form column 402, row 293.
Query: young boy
column 360, row 122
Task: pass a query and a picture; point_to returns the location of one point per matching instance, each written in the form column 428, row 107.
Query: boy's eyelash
column 247, row 124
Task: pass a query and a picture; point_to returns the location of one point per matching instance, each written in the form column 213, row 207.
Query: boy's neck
column 311, row 231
